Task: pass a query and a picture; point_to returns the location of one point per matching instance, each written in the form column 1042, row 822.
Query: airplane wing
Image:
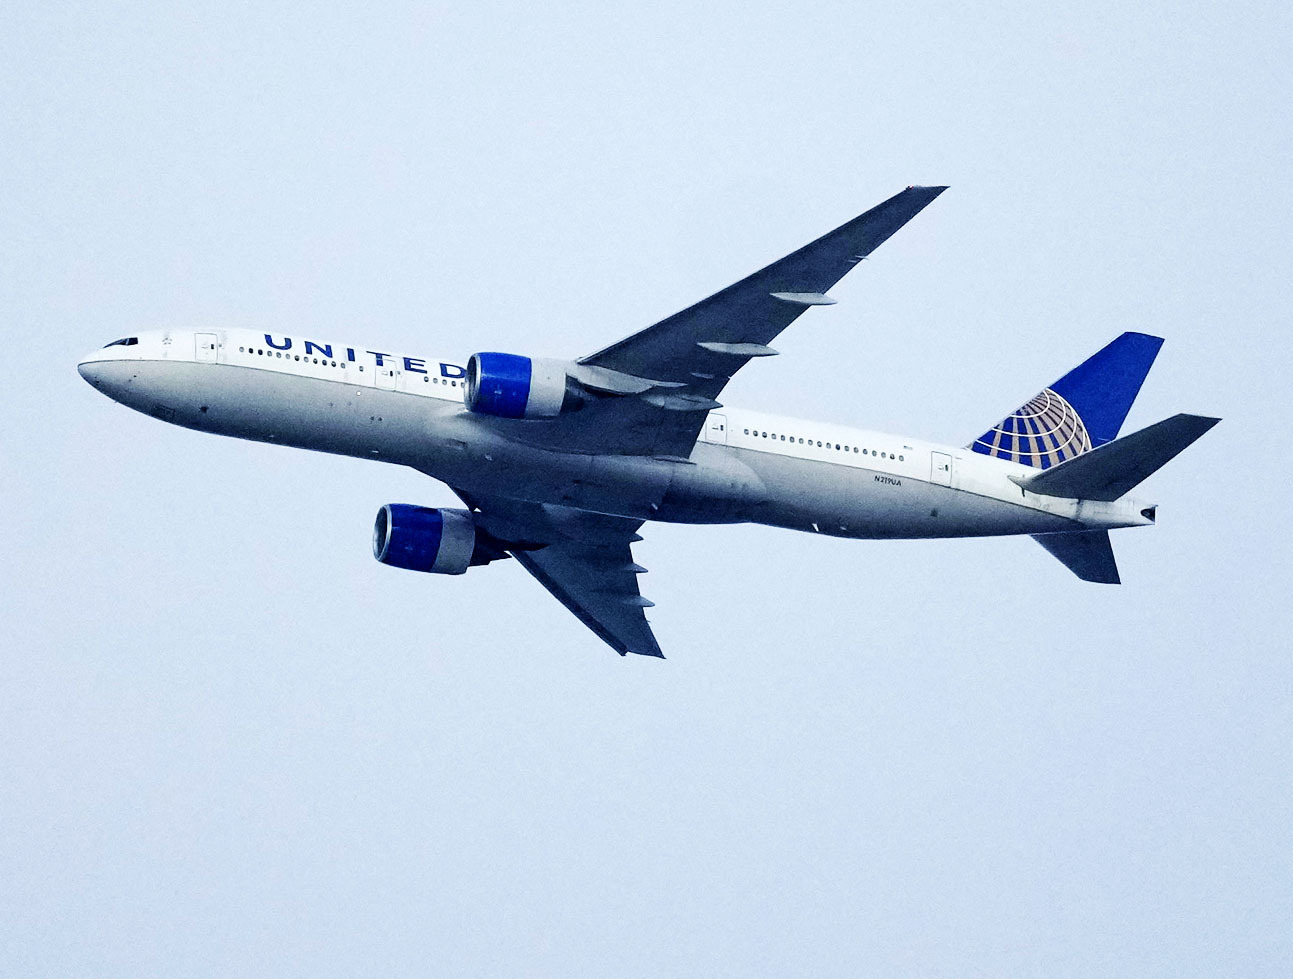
column 655, row 389
column 662, row 380
column 584, row 559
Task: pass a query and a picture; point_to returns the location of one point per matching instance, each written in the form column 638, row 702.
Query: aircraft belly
column 717, row 484
column 434, row 435
column 313, row 413
column 852, row 501
column 713, row 486
column 458, row 449
column 270, row 406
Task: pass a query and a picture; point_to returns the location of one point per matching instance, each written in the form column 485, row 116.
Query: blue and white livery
column 560, row 463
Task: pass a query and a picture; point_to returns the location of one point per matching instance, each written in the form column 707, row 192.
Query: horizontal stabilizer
column 1087, row 553
column 1113, row 469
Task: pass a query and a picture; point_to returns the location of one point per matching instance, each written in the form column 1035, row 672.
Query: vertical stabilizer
column 1084, row 409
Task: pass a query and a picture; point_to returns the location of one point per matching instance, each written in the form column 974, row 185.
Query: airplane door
column 716, row 429
column 385, row 377
column 940, row 468
column 206, row 348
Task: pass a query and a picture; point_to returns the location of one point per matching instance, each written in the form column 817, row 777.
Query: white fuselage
column 745, row 467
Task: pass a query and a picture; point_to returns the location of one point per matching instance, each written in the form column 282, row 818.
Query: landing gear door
column 716, row 429
column 206, row 348
column 940, row 469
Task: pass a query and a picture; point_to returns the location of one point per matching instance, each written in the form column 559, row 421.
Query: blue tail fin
column 1082, row 410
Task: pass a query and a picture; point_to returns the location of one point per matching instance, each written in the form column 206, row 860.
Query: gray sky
column 233, row 744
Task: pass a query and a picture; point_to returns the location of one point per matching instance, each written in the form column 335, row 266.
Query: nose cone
column 132, row 371
column 111, row 374
column 90, row 370
column 97, row 368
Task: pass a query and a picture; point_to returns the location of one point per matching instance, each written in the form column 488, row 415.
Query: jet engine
column 512, row 386
column 426, row 539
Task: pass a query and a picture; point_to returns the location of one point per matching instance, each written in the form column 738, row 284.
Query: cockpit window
column 123, row 342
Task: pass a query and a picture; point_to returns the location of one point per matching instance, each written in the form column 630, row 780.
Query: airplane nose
column 91, row 370
column 107, row 375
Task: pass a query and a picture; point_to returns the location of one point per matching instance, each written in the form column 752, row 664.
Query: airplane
column 559, row 463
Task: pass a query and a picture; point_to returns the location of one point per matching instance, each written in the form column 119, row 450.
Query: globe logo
column 1042, row 433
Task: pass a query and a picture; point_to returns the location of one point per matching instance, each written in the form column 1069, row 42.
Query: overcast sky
column 233, row 744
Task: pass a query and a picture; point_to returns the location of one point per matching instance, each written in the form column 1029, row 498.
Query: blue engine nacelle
column 511, row 386
column 424, row 539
